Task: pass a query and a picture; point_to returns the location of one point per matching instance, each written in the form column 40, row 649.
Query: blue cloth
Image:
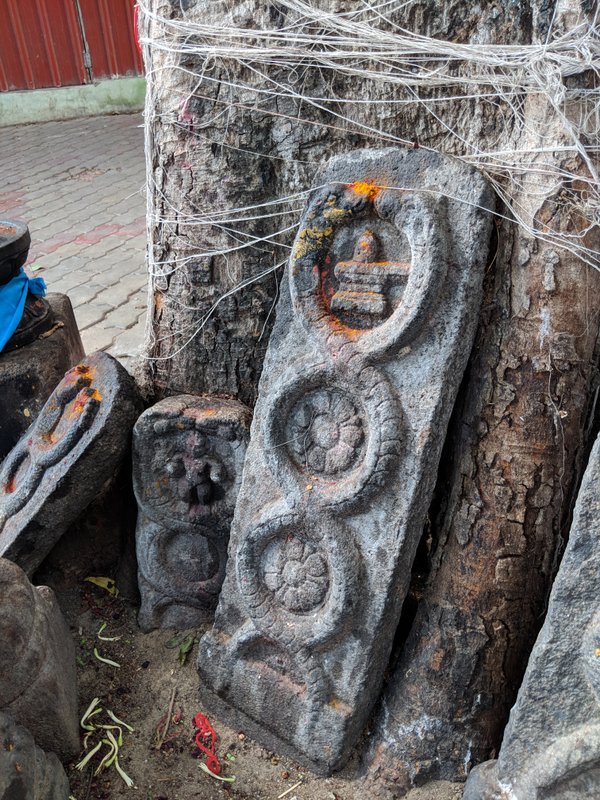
column 12, row 302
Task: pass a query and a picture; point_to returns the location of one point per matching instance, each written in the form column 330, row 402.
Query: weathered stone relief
column 38, row 681
column 188, row 458
column 374, row 325
column 29, row 374
column 60, row 464
column 551, row 745
column 26, row 772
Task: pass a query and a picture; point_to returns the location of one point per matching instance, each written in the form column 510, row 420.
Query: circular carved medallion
column 297, row 580
column 367, row 266
column 184, row 478
column 332, row 435
column 189, row 566
column 324, row 432
column 64, row 420
column 296, row 572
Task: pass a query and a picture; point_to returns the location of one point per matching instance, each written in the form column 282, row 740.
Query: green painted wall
column 120, row 95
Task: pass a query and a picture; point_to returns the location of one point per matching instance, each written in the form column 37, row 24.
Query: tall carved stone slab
column 551, row 745
column 26, row 772
column 60, row 464
column 374, row 325
column 187, row 467
column 38, row 680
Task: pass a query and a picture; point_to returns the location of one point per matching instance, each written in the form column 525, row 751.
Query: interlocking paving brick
column 89, row 314
column 80, row 186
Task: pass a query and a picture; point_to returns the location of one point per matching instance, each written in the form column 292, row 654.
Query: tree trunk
column 219, row 139
column 518, row 445
column 229, row 131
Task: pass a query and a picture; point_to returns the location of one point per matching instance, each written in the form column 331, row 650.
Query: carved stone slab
column 187, row 467
column 38, row 680
column 551, row 745
column 60, row 464
column 374, row 325
column 28, row 375
column 26, row 772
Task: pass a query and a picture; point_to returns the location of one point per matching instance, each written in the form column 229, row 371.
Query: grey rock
column 188, row 455
column 100, row 541
column 74, row 446
column 551, row 745
column 26, row 772
column 28, row 375
column 38, row 679
column 374, row 325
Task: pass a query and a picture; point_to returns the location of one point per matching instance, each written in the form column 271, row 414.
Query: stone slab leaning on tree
column 374, row 327
column 551, row 745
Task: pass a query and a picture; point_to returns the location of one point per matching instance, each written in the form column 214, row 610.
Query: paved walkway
column 80, row 186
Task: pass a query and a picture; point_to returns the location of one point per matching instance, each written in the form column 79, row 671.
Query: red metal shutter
column 108, row 26
column 40, row 44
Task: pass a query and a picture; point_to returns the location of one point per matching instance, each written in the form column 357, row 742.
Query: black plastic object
column 14, row 247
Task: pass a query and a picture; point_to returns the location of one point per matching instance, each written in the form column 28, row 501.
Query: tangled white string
column 554, row 159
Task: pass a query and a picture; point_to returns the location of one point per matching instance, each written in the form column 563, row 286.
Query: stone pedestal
column 188, row 454
column 374, row 326
column 26, row 772
column 551, row 745
column 28, row 375
column 38, row 680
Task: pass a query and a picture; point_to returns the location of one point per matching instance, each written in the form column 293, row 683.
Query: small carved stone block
column 61, row 463
column 26, row 772
column 551, row 745
column 38, row 680
column 187, row 467
column 374, row 326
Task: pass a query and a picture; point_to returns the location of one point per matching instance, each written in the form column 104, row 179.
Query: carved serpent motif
column 65, row 418
column 282, row 596
column 333, row 431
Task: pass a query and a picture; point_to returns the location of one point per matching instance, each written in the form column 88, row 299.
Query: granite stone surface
column 28, row 375
column 375, row 321
column 26, row 772
column 188, row 454
column 58, row 467
column 551, row 745
column 38, row 680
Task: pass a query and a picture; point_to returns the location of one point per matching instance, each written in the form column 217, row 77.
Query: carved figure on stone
column 57, row 468
column 374, row 322
column 187, row 467
column 38, row 681
column 551, row 745
column 26, row 772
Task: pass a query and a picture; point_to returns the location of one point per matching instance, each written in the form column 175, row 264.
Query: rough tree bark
column 223, row 142
column 520, row 436
column 519, row 443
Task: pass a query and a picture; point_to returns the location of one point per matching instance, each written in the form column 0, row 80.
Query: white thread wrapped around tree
column 246, row 101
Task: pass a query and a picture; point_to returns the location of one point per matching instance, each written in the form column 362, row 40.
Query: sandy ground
column 149, row 682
